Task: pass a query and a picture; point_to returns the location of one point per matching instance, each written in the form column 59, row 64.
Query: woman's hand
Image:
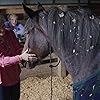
column 28, row 57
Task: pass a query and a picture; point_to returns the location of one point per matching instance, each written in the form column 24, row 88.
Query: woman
column 14, row 25
column 10, row 56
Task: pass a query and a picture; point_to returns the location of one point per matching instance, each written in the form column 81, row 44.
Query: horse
column 74, row 36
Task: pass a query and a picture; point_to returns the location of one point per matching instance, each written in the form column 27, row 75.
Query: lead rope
column 51, row 66
column 51, row 72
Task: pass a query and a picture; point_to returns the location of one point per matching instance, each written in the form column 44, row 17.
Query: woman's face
column 13, row 20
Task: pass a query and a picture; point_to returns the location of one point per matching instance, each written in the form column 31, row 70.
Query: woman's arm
column 20, row 30
column 4, row 61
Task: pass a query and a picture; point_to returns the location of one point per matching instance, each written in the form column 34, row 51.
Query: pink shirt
column 9, row 59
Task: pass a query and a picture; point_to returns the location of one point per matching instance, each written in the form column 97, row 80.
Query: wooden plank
column 61, row 71
column 19, row 9
column 48, row 61
column 14, row 9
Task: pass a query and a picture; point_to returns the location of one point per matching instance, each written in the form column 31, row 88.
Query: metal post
column 53, row 1
column 78, row 3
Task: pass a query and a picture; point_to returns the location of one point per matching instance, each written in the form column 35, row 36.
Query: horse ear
column 40, row 7
column 28, row 11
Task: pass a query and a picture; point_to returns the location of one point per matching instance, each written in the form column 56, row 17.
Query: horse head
column 35, row 35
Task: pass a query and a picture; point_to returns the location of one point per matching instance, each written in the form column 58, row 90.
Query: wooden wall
column 63, row 4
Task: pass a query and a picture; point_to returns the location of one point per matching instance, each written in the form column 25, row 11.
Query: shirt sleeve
column 20, row 30
column 6, row 24
column 5, row 61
